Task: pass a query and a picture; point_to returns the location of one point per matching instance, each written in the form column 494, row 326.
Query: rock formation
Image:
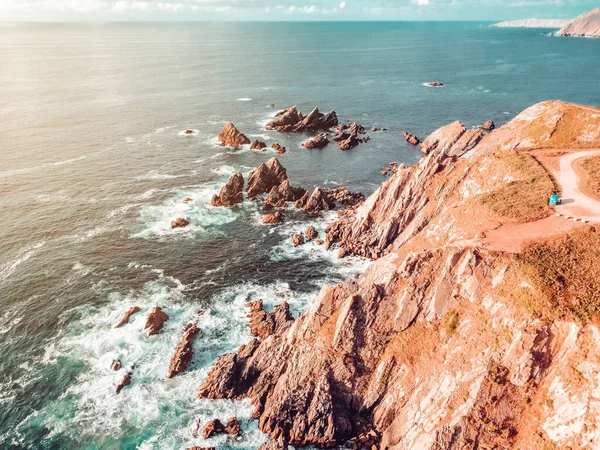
column 278, row 444
column 231, row 137
column 213, row 427
column 126, row 316
column 231, row 193
column 488, row 126
column 155, row 321
column 587, row 25
column 410, row 138
column 298, row 239
column 180, row 222
column 319, row 141
column 434, row 84
column 316, row 202
column 116, row 365
column 532, row 23
column 348, row 143
column 258, row 145
column 233, row 427
column 283, row 193
column 125, row 381
column 184, row 351
column 276, row 217
column 311, row 233
column 442, row 343
column 291, row 120
column 278, row 148
column 187, row 199
column 266, row 176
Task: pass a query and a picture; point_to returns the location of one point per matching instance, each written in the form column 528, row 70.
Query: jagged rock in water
column 349, row 143
column 283, row 193
column 231, row 137
column 410, row 138
column 298, row 239
column 318, row 201
column 276, row 217
column 187, row 199
column 155, row 321
column 488, row 126
column 343, row 196
column 125, row 381
column 263, row 324
column 213, row 427
column 278, row 148
column 266, row 176
column 180, row 222
column 434, row 84
column 116, row 365
column 290, row 120
column 258, row 145
column 231, row 193
column 319, row 141
column 184, row 352
column 233, row 427
column 341, row 136
column 356, row 129
column 126, row 316
column 311, row 233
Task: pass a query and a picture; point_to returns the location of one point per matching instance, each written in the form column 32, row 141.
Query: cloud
column 342, row 5
column 420, row 2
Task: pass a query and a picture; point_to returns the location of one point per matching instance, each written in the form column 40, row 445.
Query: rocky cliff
column 587, row 25
column 532, row 23
column 443, row 343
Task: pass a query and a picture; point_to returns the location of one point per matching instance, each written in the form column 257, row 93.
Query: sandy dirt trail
column 574, row 202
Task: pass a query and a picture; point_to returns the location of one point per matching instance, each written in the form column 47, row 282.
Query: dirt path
column 576, row 209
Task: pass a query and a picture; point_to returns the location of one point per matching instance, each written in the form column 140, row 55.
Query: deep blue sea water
column 93, row 167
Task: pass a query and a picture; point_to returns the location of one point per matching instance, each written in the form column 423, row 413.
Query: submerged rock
column 189, row 131
column 231, row 193
column 116, row 365
column 434, row 84
column 126, row 316
column 187, row 199
column 180, row 222
column 231, row 137
column 278, row 148
column 410, row 138
column 290, row 120
column 155, row 321
column 184, row 351
column 125, row 381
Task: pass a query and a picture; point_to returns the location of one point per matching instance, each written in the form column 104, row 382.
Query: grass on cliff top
column 591, row 175
column 566, row 272
column 526, row 197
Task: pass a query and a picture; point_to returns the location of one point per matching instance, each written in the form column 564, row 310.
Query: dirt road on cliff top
column 575, row 210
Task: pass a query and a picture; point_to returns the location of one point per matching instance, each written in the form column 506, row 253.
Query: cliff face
column 533, row 23
column 587, row 25
column 441, row 343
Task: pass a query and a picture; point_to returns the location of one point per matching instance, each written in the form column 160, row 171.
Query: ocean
column 94, row 165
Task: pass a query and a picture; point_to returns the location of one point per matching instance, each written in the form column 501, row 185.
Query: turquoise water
column 93, row 167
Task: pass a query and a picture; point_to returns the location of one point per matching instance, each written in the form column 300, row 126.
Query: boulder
column 374, row 129
column 488, row 126
column 258, row 145
column 155, row 321
column 125, row 381
column 290, row 120
column 184, row 351
column 180, row 222
column 231, row 193
column 125, row 317
column 233, row 427
column 298, row 239
column 342, row 253
column 276, row 217
column 213, row 427
column 283, row 193
column 231, row 137
column 311, row 233
column 189, row 131
column 262, row 179
column 318, row 141
column 187, row 199
column 411, row 138
column 278, row 148
column 319, row 241
column 349, row 143
column 116, row 365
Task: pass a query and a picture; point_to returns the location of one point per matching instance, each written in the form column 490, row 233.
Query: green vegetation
column 526, row 197
column 567, row 274
column 452, row 322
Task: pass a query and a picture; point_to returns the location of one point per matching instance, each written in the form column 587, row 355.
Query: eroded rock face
column 180, row 222
column 126, row 316
column 274, row 444
column 283, row 193
column 231, row 137
column 587, row 24
column 319, row 141
column 155, row 321
column 213, row 427
column 346, row 198
column 258, row 145
column 266, row 176
column 231, row 193
column 184, row 352
column 410, row 138
column 290, row 120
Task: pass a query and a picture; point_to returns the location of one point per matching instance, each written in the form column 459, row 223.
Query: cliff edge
column 585, row 25
column 454, row 337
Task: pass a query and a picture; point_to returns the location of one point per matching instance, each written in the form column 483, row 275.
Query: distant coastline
column 533, row 23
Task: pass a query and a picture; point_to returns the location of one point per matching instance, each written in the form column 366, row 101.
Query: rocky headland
column 585, row 25
column 475, row 326
column 532, row 23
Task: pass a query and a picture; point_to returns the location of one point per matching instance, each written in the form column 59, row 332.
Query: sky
column 288, row 10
